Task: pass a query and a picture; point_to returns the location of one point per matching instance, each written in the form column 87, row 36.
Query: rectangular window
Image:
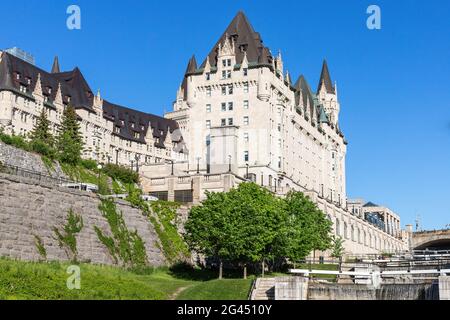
column 229, row 74
column 208, row 91
column 224, row 74
column 246, row 121
column 230, row 89
column 208, row 76
column 224, row 63
column 224, row 106
column 223, row 122
column 230, row 121
column 208, row 108
column 224, row 91
column 246, row 87
column 245, row 104
column 245, row 71
column 230, row 106
column 208, row 124
column 229, row 62
column 246, row 156
column 246, row 137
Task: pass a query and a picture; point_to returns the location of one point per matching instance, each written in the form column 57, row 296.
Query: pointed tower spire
column 55, row 67
column 192, row 65
column 325, row 79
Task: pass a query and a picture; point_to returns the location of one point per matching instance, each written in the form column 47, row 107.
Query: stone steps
column 264, row 289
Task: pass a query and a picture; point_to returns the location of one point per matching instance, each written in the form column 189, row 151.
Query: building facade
column 244, row 119
column 111, row 133
column 239, row 108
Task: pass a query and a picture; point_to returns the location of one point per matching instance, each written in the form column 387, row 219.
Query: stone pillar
column 171, row 189
column 196, row 189
column 444, row 288
column 228, row 182
column 291, row 288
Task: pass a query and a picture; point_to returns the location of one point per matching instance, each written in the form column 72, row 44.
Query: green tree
column 259, row 220
column 307, row 228
column 70, row 141
column 41, row 131
column 337, row 250
column 241, row 226
column 208, row 228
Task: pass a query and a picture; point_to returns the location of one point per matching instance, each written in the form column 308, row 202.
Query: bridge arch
column 440, row 244
column 432, row 240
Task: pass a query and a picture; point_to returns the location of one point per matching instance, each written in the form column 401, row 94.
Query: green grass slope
column 48, row 281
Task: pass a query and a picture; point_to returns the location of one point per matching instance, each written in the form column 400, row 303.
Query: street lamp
column 229, row 163
column 198, row 165
column 246, row 174
column 99, row 168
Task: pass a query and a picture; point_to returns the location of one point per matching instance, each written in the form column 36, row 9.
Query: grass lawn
column 47, row 281
column 226, row 289
column 331, row 267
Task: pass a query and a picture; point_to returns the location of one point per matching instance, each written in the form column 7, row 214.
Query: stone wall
column 444, row 287
column 12, row 156
column 28, row 209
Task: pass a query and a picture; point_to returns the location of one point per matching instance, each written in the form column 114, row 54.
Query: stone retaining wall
column 12, row 156
column 28, row 209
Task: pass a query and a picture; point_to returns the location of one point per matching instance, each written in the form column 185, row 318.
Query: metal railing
column 34, row 175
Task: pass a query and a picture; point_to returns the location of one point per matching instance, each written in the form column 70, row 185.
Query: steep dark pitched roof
column 132, row 121
column 55, row 67
column 75, row 86
column 192, row 65
column 72, row 83
column 302, row 86
column 326, row 79
column 246, row 40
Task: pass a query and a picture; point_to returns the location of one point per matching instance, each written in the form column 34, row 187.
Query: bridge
column 431, row 240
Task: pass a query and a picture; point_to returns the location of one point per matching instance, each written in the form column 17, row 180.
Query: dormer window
column 226, row 62
column 22, row 88
column 226, row 74
column 117, row 129
column 28, row 81
column 68, row 98
column 136, row 135
column 132, row 125
column 18, row 76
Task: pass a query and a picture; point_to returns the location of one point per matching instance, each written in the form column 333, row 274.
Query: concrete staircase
column 264, row 289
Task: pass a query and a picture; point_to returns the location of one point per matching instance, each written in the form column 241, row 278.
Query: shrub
column 43, row 149
column 124, row 246
column 89, row 164
column 40, row 247
column 121, row 173
column 67, row 237
column 15, row 141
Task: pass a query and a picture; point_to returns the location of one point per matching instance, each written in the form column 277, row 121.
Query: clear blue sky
column 394, row 84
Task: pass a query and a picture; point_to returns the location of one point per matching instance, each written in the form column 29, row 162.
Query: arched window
column 370, row 240
column 353, row 233
column 365, row 238
column 345, row 230
column 338, row 227
column 359, row 235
